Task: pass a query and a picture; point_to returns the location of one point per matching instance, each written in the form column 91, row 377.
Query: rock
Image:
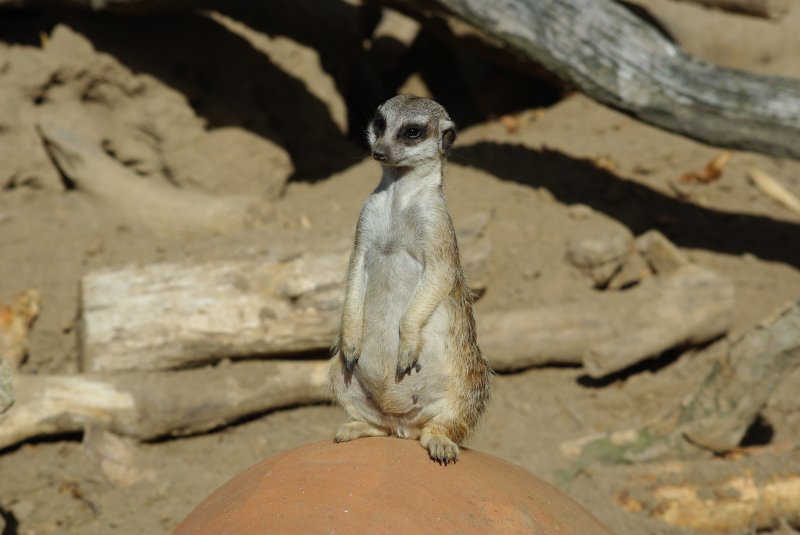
column 579, row 211
column 634, row 268
column 661, row 254
column 600, row 251
column 113, row 457
column 231, row 161
column 380, row 485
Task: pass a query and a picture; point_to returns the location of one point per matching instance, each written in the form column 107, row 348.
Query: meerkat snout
column 406, row 131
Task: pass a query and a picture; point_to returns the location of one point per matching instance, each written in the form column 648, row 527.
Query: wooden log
column 148, row 405
column 612, row 330
column 769, row 9
column 168, row 315
column 719, row 496
column 716, row 417
column 109, row 186
column 605, row 51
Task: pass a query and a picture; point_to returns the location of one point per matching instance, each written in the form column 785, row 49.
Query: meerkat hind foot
column 440, row 448
column 357, row 429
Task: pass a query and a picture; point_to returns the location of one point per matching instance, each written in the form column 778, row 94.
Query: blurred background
column 179, row 187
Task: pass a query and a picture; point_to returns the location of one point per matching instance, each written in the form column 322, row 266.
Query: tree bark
column 603, row 50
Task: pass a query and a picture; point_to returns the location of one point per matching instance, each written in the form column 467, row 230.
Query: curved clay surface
column 386, row 485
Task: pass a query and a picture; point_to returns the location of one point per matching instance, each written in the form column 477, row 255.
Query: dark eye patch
column 413, row 133
column 378, row 124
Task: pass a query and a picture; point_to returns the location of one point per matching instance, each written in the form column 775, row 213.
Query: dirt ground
column 258, row 104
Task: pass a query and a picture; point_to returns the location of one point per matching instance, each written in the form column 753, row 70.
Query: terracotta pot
column 386, row 485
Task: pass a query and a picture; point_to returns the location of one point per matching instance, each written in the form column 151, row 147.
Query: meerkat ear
column 447, row 135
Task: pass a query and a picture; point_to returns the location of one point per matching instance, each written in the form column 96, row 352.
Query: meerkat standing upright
column 406, row 361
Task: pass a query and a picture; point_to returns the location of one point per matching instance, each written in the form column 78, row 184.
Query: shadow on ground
column 638, row 207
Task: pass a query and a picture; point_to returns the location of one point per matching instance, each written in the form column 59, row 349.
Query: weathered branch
column 717, row 416
column 605, row 51
column 148, row 405
column 612, row 330
column 602, row 49
column 174, row 315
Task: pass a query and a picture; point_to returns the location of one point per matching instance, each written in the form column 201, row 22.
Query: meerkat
column 406, row 361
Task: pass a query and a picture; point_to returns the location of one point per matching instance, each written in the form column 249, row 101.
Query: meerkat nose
column 379, row 155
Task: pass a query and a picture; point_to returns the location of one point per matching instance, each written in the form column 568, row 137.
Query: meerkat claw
column 349, row 364
column 442, row 450
column 400, row 373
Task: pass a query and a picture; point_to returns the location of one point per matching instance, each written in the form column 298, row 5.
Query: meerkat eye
column 379, row 124
column 412, row 132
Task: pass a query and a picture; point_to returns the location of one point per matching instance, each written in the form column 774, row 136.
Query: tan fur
column 406, row 361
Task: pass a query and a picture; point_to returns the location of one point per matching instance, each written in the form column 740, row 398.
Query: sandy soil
column 155, row 93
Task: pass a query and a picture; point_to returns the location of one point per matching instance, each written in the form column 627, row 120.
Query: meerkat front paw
column 350, row 349
column 357, row 429
column 410, row 349
column 442, row 449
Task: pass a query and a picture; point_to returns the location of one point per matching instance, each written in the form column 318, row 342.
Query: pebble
column 579, row 211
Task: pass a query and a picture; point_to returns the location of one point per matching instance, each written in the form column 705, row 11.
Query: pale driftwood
column 112, row 187
column 770, row 9
column 775, row 190
column 612, row 330
column 719, row 496
column 740, row 385
column 165, row 316
column 604, row 50
column 716, row 417
column 148, row 405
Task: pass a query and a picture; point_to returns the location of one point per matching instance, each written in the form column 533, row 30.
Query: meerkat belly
column 392, row 277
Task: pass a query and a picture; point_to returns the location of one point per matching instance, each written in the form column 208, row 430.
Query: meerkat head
column 408, row 131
